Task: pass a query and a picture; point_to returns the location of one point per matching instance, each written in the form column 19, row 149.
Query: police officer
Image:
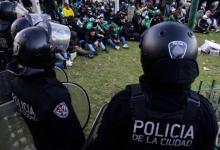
column 5, row 92
column 26, row 21
column 9, row 11
column 42, row 100
column 161, row 112
column 18, row 25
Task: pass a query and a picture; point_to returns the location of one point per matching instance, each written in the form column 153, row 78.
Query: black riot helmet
column 18, row 25
column 9, row 11
column 32, row 48
column 168, row 54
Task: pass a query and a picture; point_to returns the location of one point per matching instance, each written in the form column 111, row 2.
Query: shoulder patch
column 61, row 110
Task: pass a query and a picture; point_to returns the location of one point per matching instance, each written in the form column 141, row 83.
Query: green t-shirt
column 115, row 30
column 105, row 25
column 89, row 25
column 146, row 23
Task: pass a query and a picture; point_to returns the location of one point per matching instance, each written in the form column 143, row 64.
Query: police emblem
column 61, row 110
column 177, row 49
column 3, row 43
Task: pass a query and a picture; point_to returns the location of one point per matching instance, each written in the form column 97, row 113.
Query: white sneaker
column 69, row 63
column 117, row 47
column 217, row 30
column 125, row 46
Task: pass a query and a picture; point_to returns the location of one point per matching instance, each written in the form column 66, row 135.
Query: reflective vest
column 153, row 130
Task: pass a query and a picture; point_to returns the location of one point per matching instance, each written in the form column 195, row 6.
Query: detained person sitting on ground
column 115, row 37
column 202, row 25
column 94, row 41
column 161, row 112
column 43, row 101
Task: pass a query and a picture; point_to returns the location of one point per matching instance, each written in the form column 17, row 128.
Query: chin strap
column 20, row 70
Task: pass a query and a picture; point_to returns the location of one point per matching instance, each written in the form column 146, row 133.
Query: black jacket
column 91, row 39
column 115, row 124
column 5, row 86
column 46, row 107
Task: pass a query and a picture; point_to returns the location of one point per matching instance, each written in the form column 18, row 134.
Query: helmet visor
column 36, row 18
column 59, row 36
column 20, row 10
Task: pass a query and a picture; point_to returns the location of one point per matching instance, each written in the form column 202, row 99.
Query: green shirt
column 146, row 23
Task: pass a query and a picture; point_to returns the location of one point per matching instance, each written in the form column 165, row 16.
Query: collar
column 24, row 71
column 148, row 85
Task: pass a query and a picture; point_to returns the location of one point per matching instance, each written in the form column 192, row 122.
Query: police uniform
column 42, row 100
column 5, row 92
column 5, row 35
column 6, row 42
column 46, row 107
column 167, row 119
column 8, row 13
column 161, row 113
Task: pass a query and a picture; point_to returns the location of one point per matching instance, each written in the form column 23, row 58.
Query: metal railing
column 212, row 94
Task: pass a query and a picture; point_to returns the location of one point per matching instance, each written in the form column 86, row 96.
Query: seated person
column 93, row 41
column 137, row 23
column 115, row 37
column 67, row 11
column 156, row 19
column 62, row 59
column 128, row 32
column 213, row 24
column 102, row 27
column 75, row 46
column 200, row 13
column 202, row 26
column 211, row 21
column 146, row 22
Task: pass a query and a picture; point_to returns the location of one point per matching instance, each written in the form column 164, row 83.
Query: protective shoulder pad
column 138, row 101
column 135, row 90
column 51, row 82
column 192, row 107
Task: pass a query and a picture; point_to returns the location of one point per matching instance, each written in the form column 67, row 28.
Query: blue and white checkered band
column 177, row 49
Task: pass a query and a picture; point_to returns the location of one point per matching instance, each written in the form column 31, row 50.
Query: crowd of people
column 96, row 25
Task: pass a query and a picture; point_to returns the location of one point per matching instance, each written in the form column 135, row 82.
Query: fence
column 212, row 94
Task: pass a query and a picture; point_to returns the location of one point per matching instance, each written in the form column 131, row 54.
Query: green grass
column 106, row 74
column 210, row 36
column 213, row 63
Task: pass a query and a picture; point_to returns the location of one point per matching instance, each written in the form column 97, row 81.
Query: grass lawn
column 106, row 74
